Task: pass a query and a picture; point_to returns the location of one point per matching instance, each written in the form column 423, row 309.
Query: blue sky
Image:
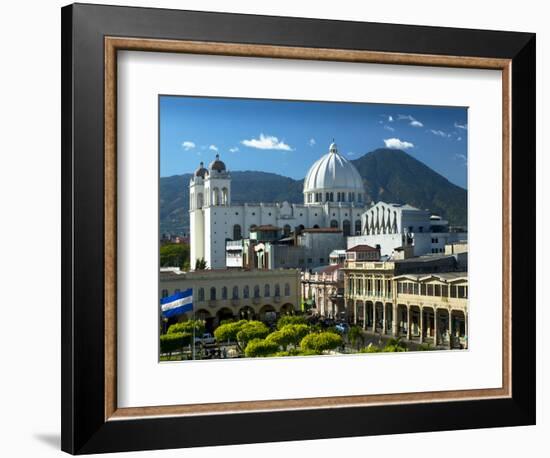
column 286, row 137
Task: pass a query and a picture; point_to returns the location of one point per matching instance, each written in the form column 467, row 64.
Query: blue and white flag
column 176, row 304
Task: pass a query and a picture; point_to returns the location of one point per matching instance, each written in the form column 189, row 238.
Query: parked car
column 205, row 339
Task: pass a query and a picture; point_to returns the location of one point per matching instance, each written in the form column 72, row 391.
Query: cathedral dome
column 333, row 178
column 217, row 164
column 201, row 171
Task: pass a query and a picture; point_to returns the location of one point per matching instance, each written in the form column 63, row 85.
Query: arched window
column 315, row 226
column 287, row 289
column 237, row 233
column 359, row 197
column 346, row 226
column 224, row 292
column 256, row 291
column 235, row 292
column 200, row 200
column 357, row 227
column 225, row 196
column 267, row 291
column 213, row 293
column 327, row 196
column 332, row 197
column 286, row 230
column 343, row 197
column 334, row 223
column 246, row 292
column 201, row 294
column 277, row 290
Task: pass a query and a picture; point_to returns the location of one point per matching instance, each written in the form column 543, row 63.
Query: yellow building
column 422, row 300
column 225, row 293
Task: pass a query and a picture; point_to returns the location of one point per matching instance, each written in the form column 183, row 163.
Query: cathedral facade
column 334, row 196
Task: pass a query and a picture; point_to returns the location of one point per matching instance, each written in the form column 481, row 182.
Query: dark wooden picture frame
column 91, row 37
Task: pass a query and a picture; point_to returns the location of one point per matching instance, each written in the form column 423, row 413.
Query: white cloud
column 461, row 126
column 267, row 142
column 187, row 145
column 351, row 154
column 213, row 148
column 390, row 118
column 395, row 143
column 390, row 128
column 412, row 121
column 233, row 150
column 440, row 133
column 312, row 142
column 459, row 138
column 462, row 158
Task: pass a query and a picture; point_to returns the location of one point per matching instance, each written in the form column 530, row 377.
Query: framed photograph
column 269, row 222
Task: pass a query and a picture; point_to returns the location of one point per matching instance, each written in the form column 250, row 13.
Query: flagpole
column 194, row 333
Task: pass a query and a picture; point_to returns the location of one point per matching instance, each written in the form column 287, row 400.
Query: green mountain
column 395, row 176
column 389, row 175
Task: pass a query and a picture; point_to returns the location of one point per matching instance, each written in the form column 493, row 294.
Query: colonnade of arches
column 422, row 324
column 265, row 313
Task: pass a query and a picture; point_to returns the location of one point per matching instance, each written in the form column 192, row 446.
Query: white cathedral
column 334, row 196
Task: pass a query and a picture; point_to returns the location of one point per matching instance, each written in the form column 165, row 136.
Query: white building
column 392, row 226
column 333, row 197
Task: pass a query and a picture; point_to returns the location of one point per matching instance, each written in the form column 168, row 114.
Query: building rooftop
column 445, row 276
column 424, row 258
column 332, row 268
column 328, row 230
column 361, row 248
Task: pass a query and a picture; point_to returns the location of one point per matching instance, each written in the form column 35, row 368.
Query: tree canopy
column 174, row 341
column 291, row 319
column 321, row 342
column 251, row 330
column 175, row 255
column 258, row 347
column 227, row 332
column 289, row 334
column 187, row 326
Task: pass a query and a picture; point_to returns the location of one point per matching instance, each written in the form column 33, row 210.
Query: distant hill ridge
column 389, row 175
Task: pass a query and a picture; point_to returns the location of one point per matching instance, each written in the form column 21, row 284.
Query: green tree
column 251, row 330
column 355, row 335
column 187, row 326
column 291, row 319
column 200, row 264
column 290, row 334
column 175, row 255
column 175, row 341
column 227, row 332
column 370, row 349
column 394, row 345
column 321, row 342
column 260, row 348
